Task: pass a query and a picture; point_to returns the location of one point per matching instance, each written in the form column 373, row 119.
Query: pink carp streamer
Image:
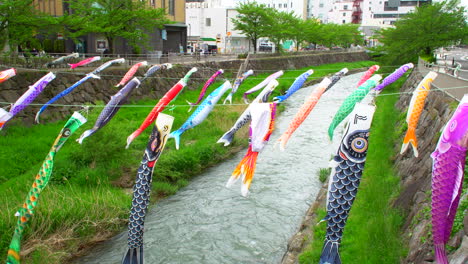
column 304, row 111
column 259, row 86
column 447, row 177
column 130, row 73
column 84, row 62
column 203, row 91
column 261, row 127
column 7, row 74
column 368, row 74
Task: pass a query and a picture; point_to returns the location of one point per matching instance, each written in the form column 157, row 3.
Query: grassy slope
column 82, row 203
column 372, row 233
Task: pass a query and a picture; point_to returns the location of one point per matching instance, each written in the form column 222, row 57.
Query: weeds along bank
column 89, row 196
column 390, row 221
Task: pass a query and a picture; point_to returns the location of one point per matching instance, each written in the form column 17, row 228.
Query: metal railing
column 446, row 69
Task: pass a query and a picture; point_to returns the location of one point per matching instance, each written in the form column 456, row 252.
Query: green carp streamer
column 40, row 182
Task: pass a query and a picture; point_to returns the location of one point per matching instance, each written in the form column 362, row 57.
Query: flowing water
column 207, row 223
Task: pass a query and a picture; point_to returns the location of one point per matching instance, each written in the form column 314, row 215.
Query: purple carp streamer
column 27, row 98
column 236, row 85
column 259, row 86
column 261, row 127
column 447, row 177
column 7, row 74
column 42, row 179
column 203, row 91
column 142, row 189
column 394, row 76
column 348, row 165
column 117, row 101
column 296, row 85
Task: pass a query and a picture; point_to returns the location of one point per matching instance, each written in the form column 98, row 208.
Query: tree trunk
column 254, row 40
column 110, row 42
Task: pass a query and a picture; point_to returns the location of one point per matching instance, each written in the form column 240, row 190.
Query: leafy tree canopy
column 420, row 32
column 114, row 18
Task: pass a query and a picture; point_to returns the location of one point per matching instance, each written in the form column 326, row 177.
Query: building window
column 208, row 22
column 171, row 7
column 344, row 14
column 152, row 3
column 291, row 4
column 345, row 7
column 280, row 5
column 344, row 21
column 369, row 8
column 163, row 4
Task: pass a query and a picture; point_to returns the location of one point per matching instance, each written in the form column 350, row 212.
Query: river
column 205, row 222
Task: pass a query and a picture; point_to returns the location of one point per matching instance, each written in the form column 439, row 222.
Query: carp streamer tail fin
column 283, row 140
column 133, row 256
column 440, row 254
column 330, row 254
column 246, row 167
column 410, row 138
column 85, row 134
column 130, row 138
column 176, row 136
column 228, row 98
column 226, row 138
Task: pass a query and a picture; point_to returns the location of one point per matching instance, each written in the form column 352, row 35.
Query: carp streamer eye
column 453, row 125
column 66, row 132
column 359, row 144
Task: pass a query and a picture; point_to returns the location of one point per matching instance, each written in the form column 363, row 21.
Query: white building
column 210, row 20
column 319, row 9
column 341, row 12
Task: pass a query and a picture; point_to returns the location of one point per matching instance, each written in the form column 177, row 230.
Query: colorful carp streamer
column 296, row 85
column 116, row 101
column 27, row 98
column 246, row 116
column 345, row 177
column 203, row 91
column 447, row 177
column 142, row 189
column 166, row 99
column 414, row 112
column 130, row 73
column 84, row 62
column 261, row 127
column 155, row 68
column 62, row 59
column 106, row 65
column 42, row 179
column 368, row 74
column 393, row 77
column 236, row 85
column 336, row 77
column 259, row 86
column 304, row 111
column 348, row 105
column 7, row 74
column 78, row 83
column 202, row 112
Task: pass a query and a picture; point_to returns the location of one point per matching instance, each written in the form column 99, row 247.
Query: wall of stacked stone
column 416, row 174
column 102, row 89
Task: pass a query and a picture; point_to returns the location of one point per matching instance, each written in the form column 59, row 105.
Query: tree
column 20, row 22
column 279, row 27
column 252, row 21
column 114, row 18
column 421, row 32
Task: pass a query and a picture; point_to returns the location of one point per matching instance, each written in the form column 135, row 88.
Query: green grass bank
column 89, row 195
column 372, row 233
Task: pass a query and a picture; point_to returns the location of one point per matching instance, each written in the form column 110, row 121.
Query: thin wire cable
column 226, row 105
